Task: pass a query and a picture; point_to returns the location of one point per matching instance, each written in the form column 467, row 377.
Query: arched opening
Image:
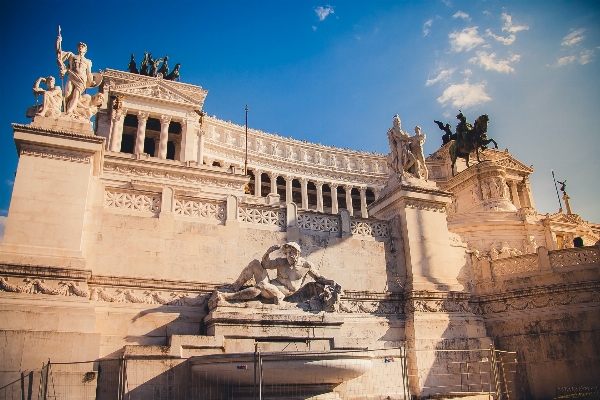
column 311, row 188
column 297, row 192
column 327, row 203
column 370, row 196
column 356, row 201
column 341, row 193
column 281, row 189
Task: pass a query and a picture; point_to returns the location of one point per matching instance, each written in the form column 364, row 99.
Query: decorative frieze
column 200, row 209
column 426, row 206
column 319, row 223
column 367, row 228
column 57, row 154
column 128, row 295
column 132, row 201
column 576, row 256
column 262, row 216
column 35, row 285
column 515, row 265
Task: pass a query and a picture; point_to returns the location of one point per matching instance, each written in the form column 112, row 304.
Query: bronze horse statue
column 468, row 138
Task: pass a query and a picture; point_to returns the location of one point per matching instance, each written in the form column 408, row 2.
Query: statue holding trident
column 80, row 76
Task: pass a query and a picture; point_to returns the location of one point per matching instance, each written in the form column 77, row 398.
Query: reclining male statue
column 291, row 274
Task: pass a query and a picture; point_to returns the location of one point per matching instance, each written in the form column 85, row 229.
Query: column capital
column 288, row 178
column 257, row 171
column 142, row 116
column 363, row 189
column 348, row 187
column 272, row 174
column 118, row 113
column 319, row 183
column 333, row 185
column 303, row 181
column 165, row 119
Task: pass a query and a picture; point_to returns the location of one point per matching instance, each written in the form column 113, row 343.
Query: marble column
column 200, row 156
column 363, row 202
column 288, row 189
column 141, row 132
column 334, row 199
column 349, row 207
column 527, row 192
column 514, row 193
column 304, row 184
column 319, row 186
column 189, row 127
column 117, row 117
column 376, row 192
column 165, row 120
column 257, row 182
column 273, row 176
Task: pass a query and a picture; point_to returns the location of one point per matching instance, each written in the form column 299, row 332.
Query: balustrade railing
column 319, row 223
column 199, row 208
column 274, row 217
column 575, row 256
column 129, row 200
column 378, row 229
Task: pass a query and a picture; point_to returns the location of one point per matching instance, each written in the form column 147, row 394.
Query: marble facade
column 116, row 238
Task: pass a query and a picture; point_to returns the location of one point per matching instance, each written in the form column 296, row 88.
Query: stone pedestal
column 46, row 215
column 438, row 313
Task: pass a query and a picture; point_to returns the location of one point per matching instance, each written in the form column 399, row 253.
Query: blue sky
column 337, row 72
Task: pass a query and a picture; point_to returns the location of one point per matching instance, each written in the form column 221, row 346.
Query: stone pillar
column 319, row 185
column 288, row 189
column 527, row 192
column 514, row 193
column 257, row 182
column 349, row 207
column 273, row 177
column 304, row 183
column 188, row 131
column 376, row 192
column 117, row 117
column 334, row 199
column 567, row 203
column 363, row 202
column 141, row 132
column 165, row 120
column 200, row 157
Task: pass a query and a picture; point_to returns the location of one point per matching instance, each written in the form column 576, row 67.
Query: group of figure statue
column 74, row 103
column 406, row 156
column 289, row 285
column 467, row 138
column 149, row 67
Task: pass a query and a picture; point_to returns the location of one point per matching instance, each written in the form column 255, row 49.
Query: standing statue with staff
column 79, row 70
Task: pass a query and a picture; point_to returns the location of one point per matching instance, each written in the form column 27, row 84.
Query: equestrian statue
column 467, row 138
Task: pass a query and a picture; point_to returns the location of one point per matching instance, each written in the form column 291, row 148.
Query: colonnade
column 189, row 129
column 319, row 192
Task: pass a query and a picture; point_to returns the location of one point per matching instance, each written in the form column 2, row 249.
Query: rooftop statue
column 154, row 65
column 144, row 65
column 132, row 67
column 52, row 98
column 174, row 75
column 406, row 152
column 79, row 70
column 292, row 271
column 164, row 68
column 467, row 138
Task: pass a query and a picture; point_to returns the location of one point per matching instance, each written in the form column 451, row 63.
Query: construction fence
column 364, row 374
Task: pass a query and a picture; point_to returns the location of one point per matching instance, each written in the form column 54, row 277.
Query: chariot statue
column 467, row 138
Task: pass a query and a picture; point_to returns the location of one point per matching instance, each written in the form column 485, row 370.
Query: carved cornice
column 59, row 133
column 55, row 153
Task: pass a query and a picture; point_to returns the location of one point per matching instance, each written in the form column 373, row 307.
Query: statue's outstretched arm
column 267, row 263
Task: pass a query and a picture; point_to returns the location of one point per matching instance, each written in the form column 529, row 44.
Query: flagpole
column 62, row 76
column 556, row 188
column 246, row 159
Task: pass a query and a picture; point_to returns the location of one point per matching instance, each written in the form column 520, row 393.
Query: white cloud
column 487, row 13
column 467, row 72
column 466, row 39
column 509, row 27
column 2, row 227
column 323, row 12
column 442, row 76
column 426, row 26
column 461, row 14
column 573, row 37
column 586, row 56
column 488, row 61
column 314, row 28
column 9, row 182
column 464, row 95
column 504, row 40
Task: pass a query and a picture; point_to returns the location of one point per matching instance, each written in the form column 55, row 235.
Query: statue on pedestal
column 79, row 72
column 51, row 99
column 292, row 271
column 406, row 152
column 132, row 67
